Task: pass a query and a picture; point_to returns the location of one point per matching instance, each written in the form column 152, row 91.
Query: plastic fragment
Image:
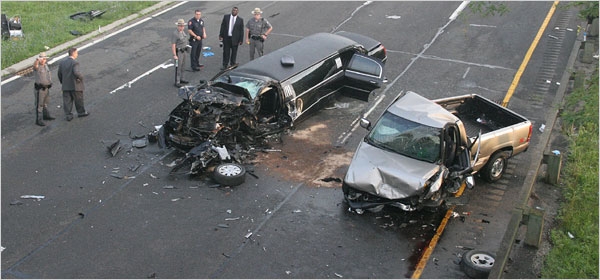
column 38, row 197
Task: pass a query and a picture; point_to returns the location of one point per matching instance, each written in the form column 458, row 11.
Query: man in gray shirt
column 43, row 82
column 257, row 31
column 179, row 48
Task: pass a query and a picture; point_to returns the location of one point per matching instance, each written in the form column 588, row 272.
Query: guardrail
column 532, row 218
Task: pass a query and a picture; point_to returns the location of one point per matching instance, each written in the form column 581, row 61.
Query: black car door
column 362, row 75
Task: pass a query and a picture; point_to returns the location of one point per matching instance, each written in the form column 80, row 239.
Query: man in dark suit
column 232, row 36
column 72, row 85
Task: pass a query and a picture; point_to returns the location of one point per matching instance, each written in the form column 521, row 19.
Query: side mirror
column 364, row 123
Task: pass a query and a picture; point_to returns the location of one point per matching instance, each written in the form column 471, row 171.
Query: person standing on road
column 197, row 33
column 257, row 31
column 72, row 85
column 232, row 36
column 42, row 85
column 179, row 47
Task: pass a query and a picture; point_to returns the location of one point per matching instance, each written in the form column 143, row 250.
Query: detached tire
column 477, row 263
column 230, row 174
column 495, row 167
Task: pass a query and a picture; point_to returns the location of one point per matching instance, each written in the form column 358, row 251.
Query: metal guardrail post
column 507, row 242
column 554, row 163
column 535, row 224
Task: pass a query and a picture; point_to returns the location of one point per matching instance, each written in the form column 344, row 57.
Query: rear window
column 364, row 65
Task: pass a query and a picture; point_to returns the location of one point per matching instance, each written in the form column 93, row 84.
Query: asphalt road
column 287, row 222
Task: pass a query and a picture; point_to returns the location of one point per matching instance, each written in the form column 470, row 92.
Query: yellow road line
column 431, row 246
column 425, row 257
column 517, row 78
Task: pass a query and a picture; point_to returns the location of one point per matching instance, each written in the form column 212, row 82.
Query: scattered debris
column 122, row 176
column 16, row 202
column 248, row 235
column 329, row 179
column 114, row 148
column 222, row 225
column 297, row 211
column 87, row 16
column 338, row 275
column 542, row 127
column 176, row 199
column 169, row 187
column 82, row 215
column 570, row 235
column 232, row 219
column 207, row 54
column 134, row 168
column 38, row 197
column 227, row 256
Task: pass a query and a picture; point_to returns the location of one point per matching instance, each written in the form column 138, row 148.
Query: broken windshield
column 408, row 138
column 252, row 85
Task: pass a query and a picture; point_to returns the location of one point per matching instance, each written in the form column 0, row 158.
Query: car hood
column 387, row 174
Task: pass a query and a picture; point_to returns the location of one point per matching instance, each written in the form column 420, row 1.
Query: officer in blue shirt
column 197, row 33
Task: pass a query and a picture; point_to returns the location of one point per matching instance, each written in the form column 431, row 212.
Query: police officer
column 257, row 30
column 179, row 47
column 197, row 33
column 43, row 83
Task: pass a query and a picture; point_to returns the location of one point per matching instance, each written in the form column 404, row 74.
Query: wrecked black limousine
column 267, row 95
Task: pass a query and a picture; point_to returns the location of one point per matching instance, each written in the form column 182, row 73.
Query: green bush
column 47, row 24
column 576, row 256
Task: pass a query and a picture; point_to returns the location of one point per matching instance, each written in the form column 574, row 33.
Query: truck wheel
column 230, row 174
column 495, row 167
column 477, row 263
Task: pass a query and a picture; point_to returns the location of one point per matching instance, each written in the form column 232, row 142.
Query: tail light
column 530, row 131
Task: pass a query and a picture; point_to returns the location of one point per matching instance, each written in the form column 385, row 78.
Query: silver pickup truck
column 420, row 151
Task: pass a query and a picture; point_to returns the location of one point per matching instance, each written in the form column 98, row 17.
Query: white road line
column 163, row 65
column 482, row 25
column 458, row 10
column 344, row 136
column 54, row 60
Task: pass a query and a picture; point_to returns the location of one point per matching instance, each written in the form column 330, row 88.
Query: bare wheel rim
column 497, row 167
column 230, row 170
column 482, row 260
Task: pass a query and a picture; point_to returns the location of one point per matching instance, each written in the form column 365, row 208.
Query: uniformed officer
column 43, row 83
column 197, row 33
column 179, row 47
column 257, row 30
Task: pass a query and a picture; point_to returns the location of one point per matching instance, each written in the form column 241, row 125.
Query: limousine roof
column 306, row 52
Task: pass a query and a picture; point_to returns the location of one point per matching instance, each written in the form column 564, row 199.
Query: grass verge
column 575, row 239
column 47, row 24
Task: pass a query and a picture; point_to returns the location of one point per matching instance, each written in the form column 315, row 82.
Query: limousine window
column 252, row 85
column 364, row 65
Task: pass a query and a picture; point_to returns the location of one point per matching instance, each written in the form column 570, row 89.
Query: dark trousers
column 70, row 97
column 195, row 54
column 229, row 52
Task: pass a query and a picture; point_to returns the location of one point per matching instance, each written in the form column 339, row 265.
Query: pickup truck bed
column 478, row 114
